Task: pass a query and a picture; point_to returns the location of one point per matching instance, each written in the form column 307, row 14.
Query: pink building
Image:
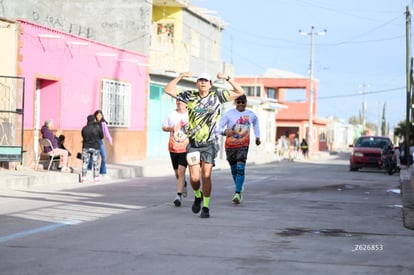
column 68, row 77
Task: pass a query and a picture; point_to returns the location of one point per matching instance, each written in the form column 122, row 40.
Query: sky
column 362, row 55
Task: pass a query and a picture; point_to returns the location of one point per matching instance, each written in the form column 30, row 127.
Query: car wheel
column 352, row 168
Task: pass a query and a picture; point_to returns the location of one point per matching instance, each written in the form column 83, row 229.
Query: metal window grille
column 116, row 98
column 252, row 90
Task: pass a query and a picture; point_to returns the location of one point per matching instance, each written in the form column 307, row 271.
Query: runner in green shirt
column 204, row 107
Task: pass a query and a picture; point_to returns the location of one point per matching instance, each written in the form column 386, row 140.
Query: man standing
column 204, row 107
column 175, row 124
column 91, row 134
column 235, row 125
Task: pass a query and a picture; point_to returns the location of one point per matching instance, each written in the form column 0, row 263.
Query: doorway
column 47, row 106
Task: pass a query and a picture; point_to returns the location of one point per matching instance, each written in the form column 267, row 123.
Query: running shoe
column 177, row 201
column 97, row 180
column 196, row 205
column 237, row 198
column 205, row 213
column 83, row 180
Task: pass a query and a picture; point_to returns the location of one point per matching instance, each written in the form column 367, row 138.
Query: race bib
column 193, row 158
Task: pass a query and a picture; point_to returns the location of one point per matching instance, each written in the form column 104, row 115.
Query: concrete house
column 68, row 77
column 184, row 38
column 176, row 36
column 11, row 97
column 293, row 91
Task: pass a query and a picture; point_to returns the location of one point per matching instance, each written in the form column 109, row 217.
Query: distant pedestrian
column 235, row 126
column 295, row 147
column 304, row 148
column 175, row 124
column 204, row 110
column 91, row 135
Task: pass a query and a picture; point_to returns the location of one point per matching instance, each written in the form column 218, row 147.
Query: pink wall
column 78, row 72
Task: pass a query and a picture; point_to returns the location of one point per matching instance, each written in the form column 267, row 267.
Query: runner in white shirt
column 175, row 124
column 235, row 125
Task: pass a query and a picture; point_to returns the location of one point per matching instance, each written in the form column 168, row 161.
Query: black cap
column 242, row 97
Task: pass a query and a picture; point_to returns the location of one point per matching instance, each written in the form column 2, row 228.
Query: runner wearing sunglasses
column 235, row 126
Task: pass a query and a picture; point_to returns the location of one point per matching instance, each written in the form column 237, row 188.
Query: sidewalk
column 26, row 177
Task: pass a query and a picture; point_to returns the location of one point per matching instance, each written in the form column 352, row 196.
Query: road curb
column 407, row 194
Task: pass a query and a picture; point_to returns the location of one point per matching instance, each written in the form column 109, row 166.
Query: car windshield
column 374, row 142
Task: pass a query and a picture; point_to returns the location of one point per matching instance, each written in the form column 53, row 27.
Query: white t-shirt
column 239, row 123
column 178, row 138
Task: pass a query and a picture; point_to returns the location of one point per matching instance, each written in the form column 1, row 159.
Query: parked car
column 367, row 151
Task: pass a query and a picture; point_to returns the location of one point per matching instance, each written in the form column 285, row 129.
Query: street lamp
column 312, row 34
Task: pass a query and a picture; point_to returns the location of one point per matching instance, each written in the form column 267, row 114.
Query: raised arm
column 171, row 88
column 237, row 89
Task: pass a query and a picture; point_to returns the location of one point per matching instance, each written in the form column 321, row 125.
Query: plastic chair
column 44, row 157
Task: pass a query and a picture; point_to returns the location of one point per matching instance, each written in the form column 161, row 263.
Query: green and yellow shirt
column 204, row 113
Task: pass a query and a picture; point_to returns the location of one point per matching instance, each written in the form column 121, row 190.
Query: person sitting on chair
column 47, row 133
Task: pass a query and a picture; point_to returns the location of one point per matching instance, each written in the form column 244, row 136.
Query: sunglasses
column 241, row 102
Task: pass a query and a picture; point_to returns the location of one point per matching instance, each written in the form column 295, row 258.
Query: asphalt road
column 296, row 218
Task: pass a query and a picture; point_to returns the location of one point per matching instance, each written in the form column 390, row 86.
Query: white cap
column 204, row 76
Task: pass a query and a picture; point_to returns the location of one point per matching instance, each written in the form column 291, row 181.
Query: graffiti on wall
column 60, row 23
column 124, row 25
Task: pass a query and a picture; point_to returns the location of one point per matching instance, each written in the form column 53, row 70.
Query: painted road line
column 36, row 231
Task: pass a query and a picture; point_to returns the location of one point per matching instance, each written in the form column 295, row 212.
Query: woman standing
column 103, row 123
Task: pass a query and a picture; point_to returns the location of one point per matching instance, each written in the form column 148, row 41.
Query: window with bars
column 252, row 90
column 116, row 98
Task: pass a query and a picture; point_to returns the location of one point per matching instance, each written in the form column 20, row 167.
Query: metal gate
column 11, row 119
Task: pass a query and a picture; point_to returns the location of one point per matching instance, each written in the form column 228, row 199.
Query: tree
column 400, row 130
column 369, row 126
column 353, row 120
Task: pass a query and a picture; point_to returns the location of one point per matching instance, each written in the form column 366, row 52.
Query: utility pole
column 312, row 34
column 408, row 86
column 364, row 106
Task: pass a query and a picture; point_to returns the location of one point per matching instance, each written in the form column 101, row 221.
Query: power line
column 351, row 40
column 371, row 30
column 359, row 94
